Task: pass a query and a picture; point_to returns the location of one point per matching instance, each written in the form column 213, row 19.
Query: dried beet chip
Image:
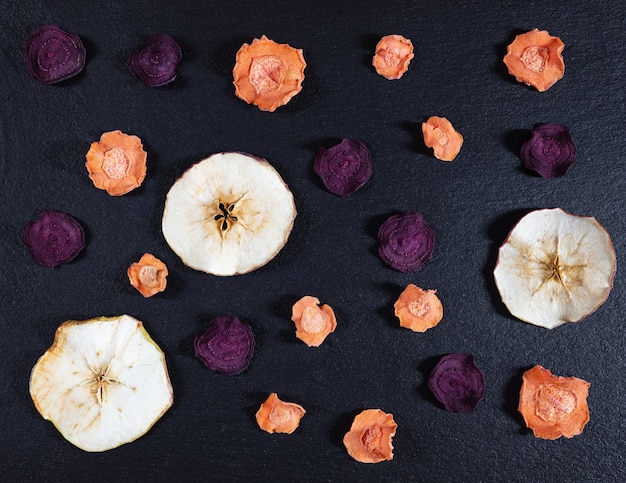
column 54, row 239
column 155, row 62
column 53, row 55
column 550, row 151
column 345, row 167
column 457, row 383
column 406, row 241
column 226, row 345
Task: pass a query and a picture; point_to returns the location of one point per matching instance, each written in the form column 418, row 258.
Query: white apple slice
column 102, row 383
column 555, row 267
column 228, row 214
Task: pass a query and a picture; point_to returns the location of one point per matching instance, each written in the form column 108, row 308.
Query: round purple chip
column 457, row 383
column 406, row 241
column 54, row 239
column 53, row 55
column 226, row 345
column 550, row 151
column 155, row 62
column 345, row 167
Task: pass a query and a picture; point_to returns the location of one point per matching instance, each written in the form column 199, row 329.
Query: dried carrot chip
column 117, row 163
column 268, row 74
column 148, row 275
column 313, row 322
column 393, row 55
column 277, row 416
column 440, row 135
column 553, row 406
column 418, row 309
column 369, row 438
column 535, row 59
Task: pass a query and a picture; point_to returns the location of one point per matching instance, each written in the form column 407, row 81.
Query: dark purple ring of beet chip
column 457, row 383
column 226, row 345
column 345, row 167
column 155, row 62
column 406, row 241
column 54, row 238
column 53, row 55
column 550, row 151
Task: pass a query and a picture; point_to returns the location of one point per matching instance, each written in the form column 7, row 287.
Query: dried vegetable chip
column 313, row 322
column 148, row 275
column 54, row 238
column 418, row 309
column 550, row 151
column 457, row 383
column 116, row 163
column 406, row 241
column 392, row 57
column 229, row 214
column 268, row 74
column 555, row 267
column 553, row 406
column 277, row 416
column 53, row 55
column 440, row 135
column 370, row 437
column 226, row 345
column 345, row 167
column 102, row 383
column 155, row 62
column 535, row 59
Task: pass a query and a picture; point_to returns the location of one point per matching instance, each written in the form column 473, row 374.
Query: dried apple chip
column 229, row 214
column 277, row 416
column 102, row 383
column 555, row 267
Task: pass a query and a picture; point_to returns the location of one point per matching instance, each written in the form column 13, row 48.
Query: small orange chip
column 148, row 275
column 276, row 416
column 440, row 135
column 313, row 322
column 370, row 437
column 418, row 309
column 392, row 57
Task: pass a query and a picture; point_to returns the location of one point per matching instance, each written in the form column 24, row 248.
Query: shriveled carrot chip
column 535, row 59
column 268, row 74
column 393, row 54
column 117, row 163
column 313, row 322
column 553, row 406
column 277, row 416
column 418, row 309
column 440, row 135
column 148, row 275
column 370, row 437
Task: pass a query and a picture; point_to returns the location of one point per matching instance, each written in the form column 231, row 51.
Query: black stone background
column 210, row 433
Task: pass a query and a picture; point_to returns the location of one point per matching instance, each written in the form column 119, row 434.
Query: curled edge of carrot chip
column 370, row 437
column 440, row 135
column 313, row 322
column 553, row 406
column 392, row 57
column 278, row 416
column 418, row 309
column 148, row 275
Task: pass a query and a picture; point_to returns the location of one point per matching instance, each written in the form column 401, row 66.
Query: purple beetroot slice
column 345, row 167
column 53, row 55
column 155, row 62
column 406, row 241
column 54, row 239
column 226, row 345
column 457, row 383
column 550, row 151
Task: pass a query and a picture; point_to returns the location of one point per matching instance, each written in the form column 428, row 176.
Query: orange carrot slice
column 313, row 322
column 268, row 74
column 392, row 57
column 535, row 59
column 370, row 437
column 440, row 135
column 553, row 406
column 418, row 309
column 148, row 275
column 277, row 416
column 117, row 163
